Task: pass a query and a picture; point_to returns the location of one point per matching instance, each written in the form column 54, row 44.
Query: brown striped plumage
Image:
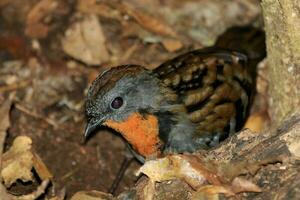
column 212, row 84
column 192, row 101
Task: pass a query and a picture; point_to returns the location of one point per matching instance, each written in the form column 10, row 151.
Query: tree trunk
column 282, row 26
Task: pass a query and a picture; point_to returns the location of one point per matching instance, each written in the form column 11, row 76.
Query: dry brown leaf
column 35, row 27
column 99, row 8
column 148, row 22
column 17, row 162
column 85, row 41
column 256, row 122
column 40, row 168
column 172, row 44
column 178, row 166
column 92, row 195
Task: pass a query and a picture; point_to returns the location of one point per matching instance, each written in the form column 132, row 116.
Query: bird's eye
column 117, row 103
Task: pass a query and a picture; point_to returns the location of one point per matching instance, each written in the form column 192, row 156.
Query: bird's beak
column 90, row 127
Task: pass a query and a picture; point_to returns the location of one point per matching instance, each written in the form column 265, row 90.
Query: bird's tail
column 248, row 40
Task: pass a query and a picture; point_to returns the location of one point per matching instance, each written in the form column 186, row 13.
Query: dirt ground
column 51, row 50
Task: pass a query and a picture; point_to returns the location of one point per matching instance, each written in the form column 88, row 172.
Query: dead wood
column 282, row 26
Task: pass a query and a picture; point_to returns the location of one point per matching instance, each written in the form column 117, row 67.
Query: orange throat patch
column 141, row 132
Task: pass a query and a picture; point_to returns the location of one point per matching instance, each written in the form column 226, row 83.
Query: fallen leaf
column 35, row 27
column 178, row 166
column 99, row 8
column 85, row 41
column 147, row 21
column 17, row 162
column 40, row 168
column 256, row 122
column 172, row 44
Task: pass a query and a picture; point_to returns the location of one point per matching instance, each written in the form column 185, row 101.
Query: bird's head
column 124, row 98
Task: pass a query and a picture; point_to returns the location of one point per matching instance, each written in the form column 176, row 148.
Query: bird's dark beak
column 90, row 127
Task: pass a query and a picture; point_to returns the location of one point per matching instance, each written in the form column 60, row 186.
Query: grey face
column 129, row 94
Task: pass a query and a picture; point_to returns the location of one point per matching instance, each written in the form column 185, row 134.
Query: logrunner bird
column 190, row 102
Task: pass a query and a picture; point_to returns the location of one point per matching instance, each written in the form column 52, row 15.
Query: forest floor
column 51, row 50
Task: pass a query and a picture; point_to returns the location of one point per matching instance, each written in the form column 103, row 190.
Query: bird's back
column 217, row 84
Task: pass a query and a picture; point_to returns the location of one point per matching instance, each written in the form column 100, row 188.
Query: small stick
column 69, row 174
column 36, row 115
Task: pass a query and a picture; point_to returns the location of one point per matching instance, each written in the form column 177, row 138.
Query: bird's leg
column 124, row 166
column 232, row 125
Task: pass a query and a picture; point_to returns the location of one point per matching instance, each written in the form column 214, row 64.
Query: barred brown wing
column 215, row 86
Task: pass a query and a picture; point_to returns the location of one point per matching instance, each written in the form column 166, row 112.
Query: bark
column 282, row 25
column 278, row 179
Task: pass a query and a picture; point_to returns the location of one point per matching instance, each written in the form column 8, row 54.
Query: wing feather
column 213, row 84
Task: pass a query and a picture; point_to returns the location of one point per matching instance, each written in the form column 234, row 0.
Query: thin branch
column 36, row 115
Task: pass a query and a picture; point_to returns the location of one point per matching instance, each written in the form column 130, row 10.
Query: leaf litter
column 48, row 93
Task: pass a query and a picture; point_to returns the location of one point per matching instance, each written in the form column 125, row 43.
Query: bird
column 190, row 102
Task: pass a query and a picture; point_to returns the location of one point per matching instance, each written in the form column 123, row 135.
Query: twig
column 36, row 115
column 69, row 174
